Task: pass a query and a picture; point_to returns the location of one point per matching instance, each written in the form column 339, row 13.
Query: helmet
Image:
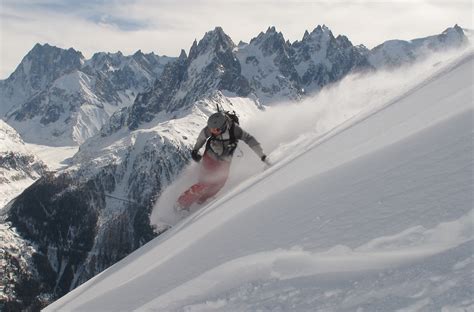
column 217, row 120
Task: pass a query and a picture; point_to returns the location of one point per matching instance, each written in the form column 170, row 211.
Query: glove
column 195, row 155
column 263, row 158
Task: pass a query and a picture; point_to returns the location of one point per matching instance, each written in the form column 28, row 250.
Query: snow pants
column 212, row 177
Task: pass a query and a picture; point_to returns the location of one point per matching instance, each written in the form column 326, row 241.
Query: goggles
column 215, row 130
column 218, row 130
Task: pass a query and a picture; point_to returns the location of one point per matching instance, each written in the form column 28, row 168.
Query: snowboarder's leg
column 213, row 175
column 217, row 180
column 198, row 193
column 191, row 195
column 210, row 191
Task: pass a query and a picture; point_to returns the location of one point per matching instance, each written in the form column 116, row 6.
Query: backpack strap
column 232, row 142
column 232, row 138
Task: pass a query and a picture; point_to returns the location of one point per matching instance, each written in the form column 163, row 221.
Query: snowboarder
column 221, row 137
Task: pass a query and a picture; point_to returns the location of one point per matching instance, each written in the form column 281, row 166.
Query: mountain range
column 57, row 97
column 135, row 119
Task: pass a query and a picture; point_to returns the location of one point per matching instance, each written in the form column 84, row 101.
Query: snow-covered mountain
column 398, row 52
column 266, row 63
column 210, row 66
column 19, row 166
column 57, row 97
column 376, row 214
column 268, row 69
column 321, row 58
column 97, row 211
column 38, row 69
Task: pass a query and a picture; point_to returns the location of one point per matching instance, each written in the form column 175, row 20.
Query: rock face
column 320, row 58
column 83, row 219
column 56, row 97
column 268, row 65
column 280, row 71
column 38, row 69
column 211, row 65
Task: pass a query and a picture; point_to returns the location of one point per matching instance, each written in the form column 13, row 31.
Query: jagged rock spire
column 213, row 41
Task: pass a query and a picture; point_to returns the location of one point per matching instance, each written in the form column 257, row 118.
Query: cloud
column 95, row 11
column 123, row 24
column 165, row 26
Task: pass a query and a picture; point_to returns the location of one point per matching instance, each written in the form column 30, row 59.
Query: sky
column 166, row 26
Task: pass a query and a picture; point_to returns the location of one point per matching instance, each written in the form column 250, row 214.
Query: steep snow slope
column 376, row 214
column 19, row 166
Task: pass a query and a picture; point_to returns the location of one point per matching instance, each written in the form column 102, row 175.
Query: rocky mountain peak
column 344, row 42
column 305, row 35
column 106, row 61
column 320, row 58
column 220, row 36
column 313, row 42
column 211, row 65
column 241, row 44
column 182, row 55
column 139, row 53
column 51, row 55
column 271, row 42
column 193, row 51
column 455, row 28
column 41, row 50
column 142, row 58
column 453, row 34
column 270, row 33
column 319, row 33
column 212, row 42
column 44, row 64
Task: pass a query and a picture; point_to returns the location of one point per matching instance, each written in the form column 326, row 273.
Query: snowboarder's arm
column 250, row 140
column 203, row 135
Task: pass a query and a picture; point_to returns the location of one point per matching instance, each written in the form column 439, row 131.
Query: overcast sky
column 165, row 26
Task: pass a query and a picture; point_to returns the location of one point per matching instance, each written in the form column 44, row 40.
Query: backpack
column 232, row 116
column 235, row 120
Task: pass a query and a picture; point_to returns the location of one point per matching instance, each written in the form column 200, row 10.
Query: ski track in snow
column 378, row 214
